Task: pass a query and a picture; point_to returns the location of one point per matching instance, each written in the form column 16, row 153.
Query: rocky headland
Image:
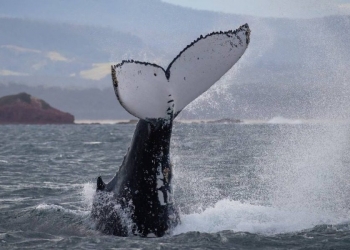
column 26, row 109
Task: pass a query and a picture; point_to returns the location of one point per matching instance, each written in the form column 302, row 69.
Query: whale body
column 139, row 199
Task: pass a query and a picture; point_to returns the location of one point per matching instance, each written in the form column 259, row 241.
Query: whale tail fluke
column 148, row 91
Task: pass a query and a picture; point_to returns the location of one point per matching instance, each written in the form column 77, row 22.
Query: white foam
column 282, row 120
column 59, row 208
column 15, row 199
column 244, row 217
column 87, row 194
column 99, row 121
column 236, row 216
column 92, row 142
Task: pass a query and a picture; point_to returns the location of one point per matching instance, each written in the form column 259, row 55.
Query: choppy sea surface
column 238, row 186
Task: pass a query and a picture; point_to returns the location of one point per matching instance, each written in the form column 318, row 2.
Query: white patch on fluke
column 161, row 198
column 160, row 183
column 148, row 91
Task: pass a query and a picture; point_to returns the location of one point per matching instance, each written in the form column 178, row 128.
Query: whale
column 139, row 199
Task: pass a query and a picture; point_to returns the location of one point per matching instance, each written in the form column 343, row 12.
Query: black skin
column 134, row 187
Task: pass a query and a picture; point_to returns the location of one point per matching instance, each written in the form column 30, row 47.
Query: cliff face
column 26, row 109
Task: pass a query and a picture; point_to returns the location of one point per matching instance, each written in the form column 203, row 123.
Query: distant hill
column 87, row 104
column 25, row 109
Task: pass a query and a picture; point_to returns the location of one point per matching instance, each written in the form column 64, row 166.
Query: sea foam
column 244, row 217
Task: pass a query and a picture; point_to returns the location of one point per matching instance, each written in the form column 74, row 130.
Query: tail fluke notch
column 147, row 91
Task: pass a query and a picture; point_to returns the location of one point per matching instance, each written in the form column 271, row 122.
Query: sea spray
column 307, row 169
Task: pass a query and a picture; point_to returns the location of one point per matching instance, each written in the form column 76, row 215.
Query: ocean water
column 238, row 186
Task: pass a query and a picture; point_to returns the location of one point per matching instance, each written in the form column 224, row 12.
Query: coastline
column 225, row 121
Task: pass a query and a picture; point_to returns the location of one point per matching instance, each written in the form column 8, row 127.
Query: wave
column 237, row 216
column 242, row 217
column 58, row 208
column 92, row 143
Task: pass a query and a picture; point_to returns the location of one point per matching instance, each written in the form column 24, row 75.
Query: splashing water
column 301, row 179
column 308, row 170
column 298, row 182
column 244, row 217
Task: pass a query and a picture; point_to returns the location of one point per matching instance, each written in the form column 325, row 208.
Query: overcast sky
column 271, row 8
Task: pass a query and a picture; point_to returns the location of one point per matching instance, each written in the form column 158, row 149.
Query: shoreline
column 200, row 121
column 224, row 121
